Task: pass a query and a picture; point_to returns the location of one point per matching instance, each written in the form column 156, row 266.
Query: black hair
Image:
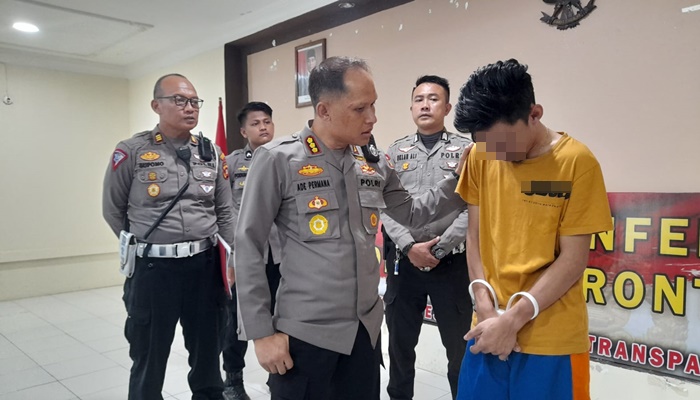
column 157, row 90
column 250, row 107
column 310, row 53
column 438, row 80
column 498, row 92
column 328, row 78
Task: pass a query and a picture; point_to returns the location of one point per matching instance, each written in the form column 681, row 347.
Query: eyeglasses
column 181, row 101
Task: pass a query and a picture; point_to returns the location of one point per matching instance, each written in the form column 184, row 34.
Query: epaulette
column 293, row 138
column 236, row 152
column 398, row 141
column 463, row 136
column 141, row 134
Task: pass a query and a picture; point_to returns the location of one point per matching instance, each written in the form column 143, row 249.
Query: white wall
column 58, row 137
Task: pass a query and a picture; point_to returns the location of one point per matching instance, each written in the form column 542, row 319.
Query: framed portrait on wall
column 307, row 57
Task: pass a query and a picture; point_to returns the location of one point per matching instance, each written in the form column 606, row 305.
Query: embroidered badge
column 241, row 183
column 405, row 166
column 310, row 170
column 117, row 158
column 243, row 168
column 388, row 160
column 207, row 174
column 318, row 203
column 206, row 188
column 248, row 155
column 152, row 176
column 221, row 156
column 355, row 150
column 224, row 168
column 452, row 164
column 311, row 144
column 373, row 220
column 406, row 149
column 366, row 169
column 453, row 148
column 318, row 225
column 150, row 156
column 153, row 190
column 159, row 138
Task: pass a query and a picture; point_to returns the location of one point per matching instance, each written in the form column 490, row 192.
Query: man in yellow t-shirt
column 535, row 197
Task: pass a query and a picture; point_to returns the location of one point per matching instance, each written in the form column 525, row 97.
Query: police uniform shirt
column 420, row 169
column 327, row 216
column 145, row 174
column 239, row 165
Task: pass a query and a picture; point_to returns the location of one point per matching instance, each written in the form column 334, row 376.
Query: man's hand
column 497, row 336
column 273, row 353
column 420, row 255
column 461, row 167
column 230, row 276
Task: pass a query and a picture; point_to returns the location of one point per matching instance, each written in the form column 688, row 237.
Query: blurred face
column 351, row 116
column 258, row 129
column 504, row 142
column 310, row 63
column 176, row 120
column 429, row 107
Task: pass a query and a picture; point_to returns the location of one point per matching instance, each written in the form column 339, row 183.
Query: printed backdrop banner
column 642, row 285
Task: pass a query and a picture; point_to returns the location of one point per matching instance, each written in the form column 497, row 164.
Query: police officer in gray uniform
column 177, row 274
column 429, row 261
column 324, row 194
column 258, row 128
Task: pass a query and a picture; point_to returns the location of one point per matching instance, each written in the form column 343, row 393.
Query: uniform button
column 187, row 229
column 182, row 174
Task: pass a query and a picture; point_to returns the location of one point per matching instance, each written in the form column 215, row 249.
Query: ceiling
column 128, row 38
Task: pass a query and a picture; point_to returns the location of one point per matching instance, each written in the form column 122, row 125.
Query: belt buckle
column 183, row 249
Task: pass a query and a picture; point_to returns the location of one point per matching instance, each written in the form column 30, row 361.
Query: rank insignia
column 406, row 149
column 224, row 168
column 388, row 160
column 453, row 148
column 194, row 140
column 452, row 164
column 152, row 176
column 248, row 155
column 310, row 170
column 366, row 169
column 206, row 188
column 243, row 168
column 405, row 166
column 153, row 190
column 359, row 158
column 318, row 225
column 150, row 156
column 318, row 203
column 241, row 183
column 117, row 158
column 159, row 138
column 355, row 150
column 221, row 156
column 311, row 144
column 373, row 220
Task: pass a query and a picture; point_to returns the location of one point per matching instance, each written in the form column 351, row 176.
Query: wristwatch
column 438, row 252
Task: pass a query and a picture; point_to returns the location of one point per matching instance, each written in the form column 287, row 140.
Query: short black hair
column 250, row 107
column 438, row 80
column 328, row 78
column 310, row 53
column 157, row 90
column 498, row 92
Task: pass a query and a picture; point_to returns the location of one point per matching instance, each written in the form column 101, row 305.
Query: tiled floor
column 71, row 346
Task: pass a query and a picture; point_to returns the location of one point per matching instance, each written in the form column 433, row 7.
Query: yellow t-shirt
column 523, row 209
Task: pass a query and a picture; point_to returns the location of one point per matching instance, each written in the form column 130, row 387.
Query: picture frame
column 306, row 57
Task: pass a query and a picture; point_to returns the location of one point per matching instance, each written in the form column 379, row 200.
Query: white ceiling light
column 25, row 27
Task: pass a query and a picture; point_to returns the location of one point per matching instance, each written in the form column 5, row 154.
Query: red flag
column 221, row 131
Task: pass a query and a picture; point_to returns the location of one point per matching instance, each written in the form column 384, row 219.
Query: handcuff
column 500, row 311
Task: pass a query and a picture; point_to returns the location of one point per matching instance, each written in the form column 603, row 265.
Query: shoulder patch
column 118, row 157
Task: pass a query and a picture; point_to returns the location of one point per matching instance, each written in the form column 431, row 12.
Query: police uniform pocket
column 370, row 203
column 318, row 216
column 205, row 178
column 448, row 166
column 152, row 175
column 137, row 330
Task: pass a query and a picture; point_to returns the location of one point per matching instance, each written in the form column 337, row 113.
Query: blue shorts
column 524, row 377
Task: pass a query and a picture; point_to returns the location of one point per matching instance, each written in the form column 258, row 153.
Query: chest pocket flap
column 204, row 174
column 152, row 175
column 319, row 217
